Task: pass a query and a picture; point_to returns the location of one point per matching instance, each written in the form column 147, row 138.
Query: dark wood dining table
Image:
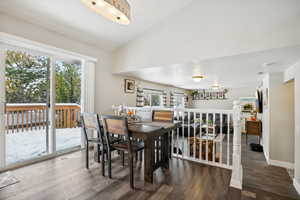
column 156, row 137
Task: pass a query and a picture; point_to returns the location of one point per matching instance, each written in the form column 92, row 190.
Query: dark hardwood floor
column 65, row 177
column 261, row 181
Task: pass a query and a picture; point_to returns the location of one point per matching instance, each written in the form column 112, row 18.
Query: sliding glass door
column 40, row 101
column 68, row 104
column 26, row 105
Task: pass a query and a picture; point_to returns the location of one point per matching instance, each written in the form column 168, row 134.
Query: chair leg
column 123, row 159
column 99, row 151
column 141, row 156
column 131, row 172
column 103, row 162
column 109, row 164
column 87, row 155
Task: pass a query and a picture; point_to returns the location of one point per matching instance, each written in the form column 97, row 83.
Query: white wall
column 282, row 120
column 278, row 121
column 235, row 29
column 110, row 89
column 233, row 94
column 297, row 128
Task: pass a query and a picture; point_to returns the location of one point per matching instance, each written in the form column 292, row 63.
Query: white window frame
column 154, row 92
column 182, row 98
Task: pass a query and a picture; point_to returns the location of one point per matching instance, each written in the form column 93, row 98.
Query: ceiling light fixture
column 197, row 78
column 116, row 10
column 215, row 86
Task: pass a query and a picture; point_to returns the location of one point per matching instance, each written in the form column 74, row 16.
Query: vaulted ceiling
column 73, row 19
column 170, row 40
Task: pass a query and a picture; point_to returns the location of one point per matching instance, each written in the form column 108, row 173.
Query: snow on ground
column 31, row 144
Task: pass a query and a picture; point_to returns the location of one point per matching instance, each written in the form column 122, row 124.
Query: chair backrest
column 118, row 126
column 90, row 121
column 162, row 116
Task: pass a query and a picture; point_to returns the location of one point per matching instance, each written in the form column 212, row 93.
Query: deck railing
column 210, row 137
column 25, row 117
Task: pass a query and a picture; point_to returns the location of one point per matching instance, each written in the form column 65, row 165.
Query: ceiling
column 72, row 18
column 230, row 72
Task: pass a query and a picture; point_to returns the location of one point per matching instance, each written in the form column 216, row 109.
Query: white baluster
column 195, row 141
column 221, row 134
column 237, row 170
column 200, row 137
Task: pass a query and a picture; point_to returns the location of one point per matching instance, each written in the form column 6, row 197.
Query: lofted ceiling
column 73, row 19
column 245, row 70
column 209, row 31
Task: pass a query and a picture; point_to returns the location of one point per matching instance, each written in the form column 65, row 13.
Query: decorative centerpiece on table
column 129, row 114
column 131, row 117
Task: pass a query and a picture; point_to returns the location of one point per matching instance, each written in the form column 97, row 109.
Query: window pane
column 27, row 91
column 67, row 108
column 179, row 101
column 147, row 99
column 155, row 100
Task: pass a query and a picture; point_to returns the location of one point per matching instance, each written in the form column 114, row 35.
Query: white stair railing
column 207, row 136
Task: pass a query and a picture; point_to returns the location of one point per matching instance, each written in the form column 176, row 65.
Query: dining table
column 157, row 149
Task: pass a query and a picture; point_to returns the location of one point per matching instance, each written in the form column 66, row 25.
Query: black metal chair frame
column 100, row 141
column 128, row 139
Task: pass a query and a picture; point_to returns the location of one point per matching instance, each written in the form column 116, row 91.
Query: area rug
column 7, row 179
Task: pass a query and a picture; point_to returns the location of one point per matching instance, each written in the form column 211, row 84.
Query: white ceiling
column 72, row 18
column 230, row 72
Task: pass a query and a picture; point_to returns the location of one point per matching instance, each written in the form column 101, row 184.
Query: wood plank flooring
column 261, row 181
column 66, row 178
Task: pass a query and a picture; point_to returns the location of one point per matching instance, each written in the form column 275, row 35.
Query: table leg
column 148, row 160
column 167, row 150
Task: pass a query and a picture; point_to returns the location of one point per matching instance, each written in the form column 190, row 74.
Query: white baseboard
column 297, row 185
column 283, row 164
column 278, row 163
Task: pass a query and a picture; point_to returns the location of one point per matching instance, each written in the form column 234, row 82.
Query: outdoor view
column 27, row 96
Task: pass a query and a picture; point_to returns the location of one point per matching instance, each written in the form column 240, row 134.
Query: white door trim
column 2, row 107
column 52, row 133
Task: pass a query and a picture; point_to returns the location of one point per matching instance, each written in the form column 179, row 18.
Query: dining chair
column 90, row 122
column 164, row 116
column 119, row 126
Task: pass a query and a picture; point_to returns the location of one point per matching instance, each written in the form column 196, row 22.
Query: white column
column 237, row 170
column 2, row 104
column 297, row 130
column 52, row 134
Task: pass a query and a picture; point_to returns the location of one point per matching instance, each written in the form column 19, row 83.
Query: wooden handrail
column 24, row 117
